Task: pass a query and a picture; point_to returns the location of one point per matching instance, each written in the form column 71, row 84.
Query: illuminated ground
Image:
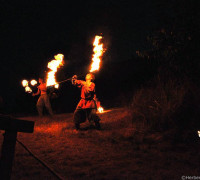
column 115, row 152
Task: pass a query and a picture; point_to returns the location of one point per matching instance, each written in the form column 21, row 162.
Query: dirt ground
column 118, row 151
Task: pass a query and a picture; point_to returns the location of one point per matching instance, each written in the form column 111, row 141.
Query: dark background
column 32, row 32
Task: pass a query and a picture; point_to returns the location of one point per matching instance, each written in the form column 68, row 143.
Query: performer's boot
column 77, row 126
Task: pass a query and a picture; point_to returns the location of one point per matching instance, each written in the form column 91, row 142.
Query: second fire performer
column 43, row 100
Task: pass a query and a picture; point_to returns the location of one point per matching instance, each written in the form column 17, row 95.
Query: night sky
column 32, row 32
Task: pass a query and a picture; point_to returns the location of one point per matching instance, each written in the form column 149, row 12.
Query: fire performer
column 43, row 99
column 87, row 107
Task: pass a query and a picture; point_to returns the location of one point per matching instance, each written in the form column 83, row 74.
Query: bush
column 154, row 105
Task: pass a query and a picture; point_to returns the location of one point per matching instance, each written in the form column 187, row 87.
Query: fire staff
column 87, row 107
column 43, row 100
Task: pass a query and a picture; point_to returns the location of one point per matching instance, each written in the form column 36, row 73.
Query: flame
column 198, row 133
column 98, row 52
column 28, row 89
column 53, row 66
column 33, row 82
column 24, row 83
column 100, row 109
column 56, row 86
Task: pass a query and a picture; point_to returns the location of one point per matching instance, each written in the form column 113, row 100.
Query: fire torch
column 96, row 60
column 25, row 84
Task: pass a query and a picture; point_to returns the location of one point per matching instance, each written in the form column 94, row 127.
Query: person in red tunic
column 43, row 100
column 87, row 107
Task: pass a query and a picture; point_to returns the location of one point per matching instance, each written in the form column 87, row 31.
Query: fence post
column 11, row 126
column 7, row 154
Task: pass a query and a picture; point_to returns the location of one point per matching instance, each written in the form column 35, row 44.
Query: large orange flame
column 98, row 52
column 53, row 66
column 96, row 60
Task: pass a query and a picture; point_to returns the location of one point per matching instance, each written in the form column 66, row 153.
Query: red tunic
column 87, row 95
column 43, row 89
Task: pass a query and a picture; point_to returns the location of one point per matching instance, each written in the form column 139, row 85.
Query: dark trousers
column 81, row 115
column 43, row 100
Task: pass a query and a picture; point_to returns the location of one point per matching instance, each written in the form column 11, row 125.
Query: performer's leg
column 48, row 104
column 39, row 105
column 79, row 117
column 92, row 116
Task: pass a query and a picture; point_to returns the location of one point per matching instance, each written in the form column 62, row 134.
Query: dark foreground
column 118, row 151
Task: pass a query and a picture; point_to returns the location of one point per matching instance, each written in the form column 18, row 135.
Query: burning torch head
column 90, row 77
column 33, row 82
column 24, row 83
